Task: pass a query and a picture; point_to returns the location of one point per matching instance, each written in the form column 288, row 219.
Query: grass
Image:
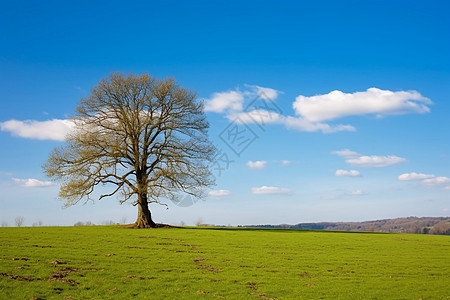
column 107, row 262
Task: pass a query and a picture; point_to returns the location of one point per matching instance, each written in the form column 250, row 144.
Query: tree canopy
column 143, row 137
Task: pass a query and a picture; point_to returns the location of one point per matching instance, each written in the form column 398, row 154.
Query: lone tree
column 145, row 138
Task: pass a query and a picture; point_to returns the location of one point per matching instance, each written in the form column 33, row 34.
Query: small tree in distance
column 145, row 138
column 19, row 221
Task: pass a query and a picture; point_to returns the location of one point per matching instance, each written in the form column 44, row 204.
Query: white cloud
column 312, row 112
column 308, row 126
column 31, row 182
column 437, row 181
column 232, row 101
column 347, row 153
column 337, row 104
column 257, row 165
column 286, row 163
column 257, row 116
column 375, row 161
column 265, row 93
column 428, row 180
column 358, row 193
column 414, row 176
column 262, row 117
column 223, row 101
column 219, row 193
column 350, row 173
column 270, row 190
column 55, row 129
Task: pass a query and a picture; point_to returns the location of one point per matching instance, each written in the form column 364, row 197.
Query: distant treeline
column 425, row 225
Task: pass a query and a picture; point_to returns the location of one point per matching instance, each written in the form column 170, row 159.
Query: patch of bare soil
column 262, row 296
column 61, row 274
column 200, row 292
column 19, row 258
column 57, row 275
column 197, row 260
column 57, row 262
column 172, row 239
column 252, row 285
column 19, row 277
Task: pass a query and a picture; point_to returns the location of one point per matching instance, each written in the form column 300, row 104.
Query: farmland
column 110, row 262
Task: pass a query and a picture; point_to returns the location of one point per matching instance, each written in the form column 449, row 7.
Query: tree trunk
column 144, row 218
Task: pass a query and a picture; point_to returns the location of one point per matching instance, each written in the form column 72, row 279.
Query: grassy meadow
column 109, row 262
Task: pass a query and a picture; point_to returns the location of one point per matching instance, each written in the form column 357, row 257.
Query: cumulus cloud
column 270, row 190
column 374, row 161
column 55, row 129
column 414, row 176
column 257, row 165
column 337, row 104
column 223, row 101
column 428, row 180
column 437, row 181
column 313, row 113
column 219, row 193
column 264, row 92
column 350, row 173
column 31, row 182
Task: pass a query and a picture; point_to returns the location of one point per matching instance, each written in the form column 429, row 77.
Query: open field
column 107, row 262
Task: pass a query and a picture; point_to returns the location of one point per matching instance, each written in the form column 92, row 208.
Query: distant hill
column 425, row 225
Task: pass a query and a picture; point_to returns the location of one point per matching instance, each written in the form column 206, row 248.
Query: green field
column 108, row 262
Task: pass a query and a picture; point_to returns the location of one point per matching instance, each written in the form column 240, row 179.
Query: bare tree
column 38, row 223
column 199, row 221
column 145, row 138
column 19, row 221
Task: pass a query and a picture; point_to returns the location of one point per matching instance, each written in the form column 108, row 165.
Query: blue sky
column 358, row 90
